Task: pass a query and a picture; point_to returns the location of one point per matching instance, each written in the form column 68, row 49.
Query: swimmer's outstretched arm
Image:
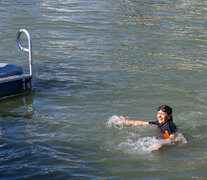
column 131, row 122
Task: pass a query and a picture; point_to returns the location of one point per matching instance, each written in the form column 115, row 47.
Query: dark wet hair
column 165, row 108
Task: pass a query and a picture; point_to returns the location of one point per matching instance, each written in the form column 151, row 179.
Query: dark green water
column 94, row 59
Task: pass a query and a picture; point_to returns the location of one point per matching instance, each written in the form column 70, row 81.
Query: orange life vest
column 166, row 135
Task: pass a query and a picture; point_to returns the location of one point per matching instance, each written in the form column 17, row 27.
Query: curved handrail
column 29, row 49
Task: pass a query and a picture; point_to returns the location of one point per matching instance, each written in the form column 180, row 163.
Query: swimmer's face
column 162, row 117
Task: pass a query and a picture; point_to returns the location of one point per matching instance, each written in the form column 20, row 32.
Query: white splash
column 142, row 145
column 180, row 138
column 113, row 121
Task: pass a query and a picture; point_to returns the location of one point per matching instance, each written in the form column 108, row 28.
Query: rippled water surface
column 95, row 59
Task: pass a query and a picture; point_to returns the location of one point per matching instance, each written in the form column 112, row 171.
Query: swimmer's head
column 164, row 114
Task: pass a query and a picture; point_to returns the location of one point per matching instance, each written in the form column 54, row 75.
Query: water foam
column 113, row 121
column 180, row 138
column 142, row 145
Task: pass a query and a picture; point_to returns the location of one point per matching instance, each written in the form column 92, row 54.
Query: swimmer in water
column 164, row 123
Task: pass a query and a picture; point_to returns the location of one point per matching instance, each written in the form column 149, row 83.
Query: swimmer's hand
column 127, row 122
column 121, row 121
column 164, row 143
column 131, row 122
column 158, row 146
column 171, row 140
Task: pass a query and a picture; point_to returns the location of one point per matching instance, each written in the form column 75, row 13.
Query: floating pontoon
column 13, row 81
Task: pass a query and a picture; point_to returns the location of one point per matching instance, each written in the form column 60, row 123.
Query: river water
column 95, row 59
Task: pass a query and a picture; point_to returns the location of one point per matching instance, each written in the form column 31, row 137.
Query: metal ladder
column 29, row 49
column 25, row 77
